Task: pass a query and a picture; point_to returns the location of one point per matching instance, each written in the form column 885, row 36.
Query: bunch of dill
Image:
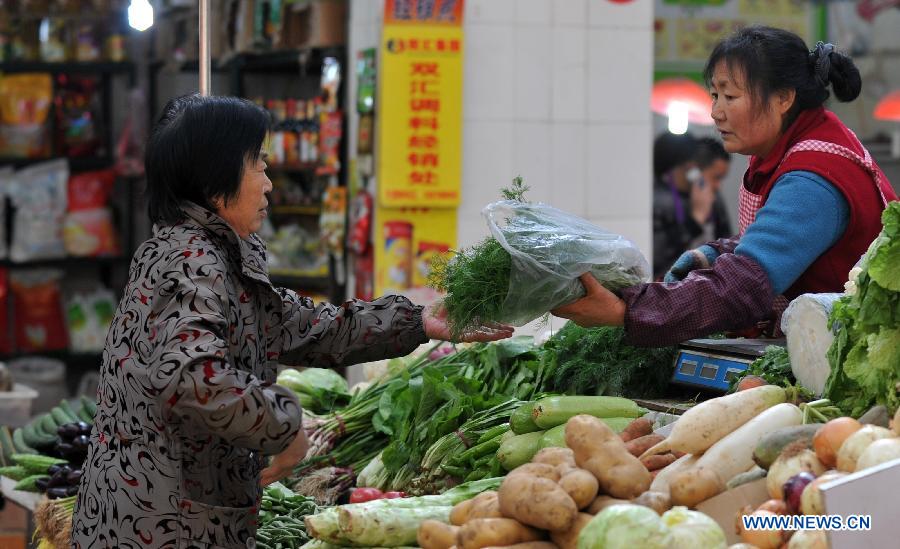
column 597, row 361
column 476, row 279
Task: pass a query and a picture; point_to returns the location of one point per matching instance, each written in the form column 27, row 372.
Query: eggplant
column 74, row 477
column 84, row 428
column 60, row 478
column 58, row 492
column 72, row 491
column 53, row 469
column 41, row 484
column 81, row 442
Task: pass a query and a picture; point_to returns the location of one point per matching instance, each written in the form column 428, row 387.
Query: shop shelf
column 64, row 262
column 81, row 67
column 76, row 164
column 296, row 167
column 297, row 210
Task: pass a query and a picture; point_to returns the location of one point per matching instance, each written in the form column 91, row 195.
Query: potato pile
column 546, row 503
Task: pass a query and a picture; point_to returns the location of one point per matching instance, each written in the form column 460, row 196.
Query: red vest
column 859, row 186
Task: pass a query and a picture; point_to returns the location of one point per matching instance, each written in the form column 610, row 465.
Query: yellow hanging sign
column 420, row 115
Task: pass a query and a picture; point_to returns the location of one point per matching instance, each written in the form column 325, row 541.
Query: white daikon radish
column 733, row 454
column 805, row 323
column 708, row 422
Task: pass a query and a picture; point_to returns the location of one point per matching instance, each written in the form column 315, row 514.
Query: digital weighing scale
column 713, row 363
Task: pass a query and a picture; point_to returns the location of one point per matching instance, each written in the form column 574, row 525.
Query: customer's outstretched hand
column 436, row 327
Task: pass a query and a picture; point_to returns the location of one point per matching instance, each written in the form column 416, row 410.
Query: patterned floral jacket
column 187, row 404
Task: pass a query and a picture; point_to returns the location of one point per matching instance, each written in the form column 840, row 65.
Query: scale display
column 713, row 363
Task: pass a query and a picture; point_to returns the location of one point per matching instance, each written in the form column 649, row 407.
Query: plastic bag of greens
column 549, row 249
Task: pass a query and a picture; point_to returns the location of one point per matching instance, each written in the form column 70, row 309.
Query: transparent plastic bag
column 550, row 249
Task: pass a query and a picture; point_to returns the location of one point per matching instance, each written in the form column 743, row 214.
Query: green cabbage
column 692, row 529
column 319, row 390
column 865, row 354
column 625, row 526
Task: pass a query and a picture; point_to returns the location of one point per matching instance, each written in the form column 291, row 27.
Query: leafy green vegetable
column 865, row 354
column 319, row 390
column 475, row 280
column 597, row 361
column 623, row 526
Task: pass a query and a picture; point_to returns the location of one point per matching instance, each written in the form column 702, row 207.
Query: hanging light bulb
column 678, row 117
column 140, row 15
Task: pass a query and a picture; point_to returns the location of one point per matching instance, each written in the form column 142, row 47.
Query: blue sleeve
column 803, row 217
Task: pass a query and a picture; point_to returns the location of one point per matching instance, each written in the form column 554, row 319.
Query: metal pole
column 204, row 48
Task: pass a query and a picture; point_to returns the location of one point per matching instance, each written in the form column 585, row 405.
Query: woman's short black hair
column 671, row 150
column 197, row 152
column 773, row 60
column 710, row 149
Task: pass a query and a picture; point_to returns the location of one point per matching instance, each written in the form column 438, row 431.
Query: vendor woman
column 187, row 406
column 810, row 203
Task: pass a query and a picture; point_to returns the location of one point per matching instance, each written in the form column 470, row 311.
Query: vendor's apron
column 749, row 203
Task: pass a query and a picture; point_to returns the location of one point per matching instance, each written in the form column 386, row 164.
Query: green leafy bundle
column 475, row 280
column 865, row 354
column 598, row 361
column 447, row 394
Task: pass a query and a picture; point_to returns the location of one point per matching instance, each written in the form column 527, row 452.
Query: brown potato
column 541, row 470
column 486, row 506
column 555, row 457
column 489, row 532
column 581, row 486
column 658, row 461
column 434, row 534
column 602, row 502
column 638, row 446
column 657, row 501
column 601, row 452
column 460, row 512
column 636, row 429
column 537, row 502
column 694, row 486
column 528, row 545
column 569, row 538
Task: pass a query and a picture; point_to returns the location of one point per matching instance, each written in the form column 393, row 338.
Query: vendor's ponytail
column 846, row 82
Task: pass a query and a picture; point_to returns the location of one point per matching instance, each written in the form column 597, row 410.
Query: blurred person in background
column 683, row 205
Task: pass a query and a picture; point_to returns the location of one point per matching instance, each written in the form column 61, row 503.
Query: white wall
column 556, row 91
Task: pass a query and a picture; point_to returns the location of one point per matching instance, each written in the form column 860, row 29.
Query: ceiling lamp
column 682, row 100
column 889, row 109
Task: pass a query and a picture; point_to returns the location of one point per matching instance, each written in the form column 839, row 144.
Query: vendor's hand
column 600, row 307
column 436, row 327
column 703, row 196
column 698, row 258
column 283, row 464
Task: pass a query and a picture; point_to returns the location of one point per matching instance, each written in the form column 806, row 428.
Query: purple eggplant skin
column 68, row 431
column 81, row 442
column 84, row 428
column 58, row 492
column 74, row 477
column 53, row 469
column 41, row 484
column 72, row 490
column 60, row 478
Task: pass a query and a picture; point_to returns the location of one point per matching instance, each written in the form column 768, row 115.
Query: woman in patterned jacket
column 187, row 406
column 810, row 203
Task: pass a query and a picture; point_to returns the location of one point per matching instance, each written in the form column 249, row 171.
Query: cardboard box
column 868, row 492
column 724, row 507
